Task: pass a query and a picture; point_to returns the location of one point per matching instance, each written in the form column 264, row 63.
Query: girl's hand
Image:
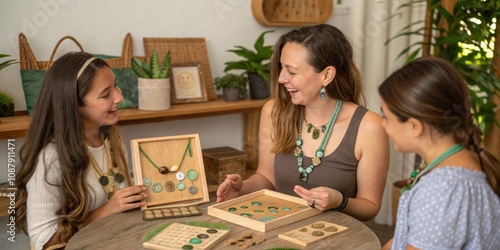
column 127, row 198
column 230, row 188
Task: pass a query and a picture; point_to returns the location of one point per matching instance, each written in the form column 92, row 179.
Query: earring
column 322, row 93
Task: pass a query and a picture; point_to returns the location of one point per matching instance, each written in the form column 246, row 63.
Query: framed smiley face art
column 171, row 168
column 186, row 84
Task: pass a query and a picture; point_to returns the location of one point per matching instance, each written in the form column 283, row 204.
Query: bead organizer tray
column 263, row 210
column 311, row 233
column 171, row 168
column 190, row 235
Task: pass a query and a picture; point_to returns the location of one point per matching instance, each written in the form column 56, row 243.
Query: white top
column 43, row 198
column 449, row 208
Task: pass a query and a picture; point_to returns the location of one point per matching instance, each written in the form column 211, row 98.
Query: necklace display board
column 171, row 168
column 263, row 210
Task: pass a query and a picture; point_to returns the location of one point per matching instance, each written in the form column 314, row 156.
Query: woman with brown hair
column 453, row 201
column 316, row 140
column 73, row 161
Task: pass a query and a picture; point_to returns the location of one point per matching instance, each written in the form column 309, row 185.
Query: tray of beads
column 311, row 233
column 263, row 210
column 188, row 235
column 171, row 168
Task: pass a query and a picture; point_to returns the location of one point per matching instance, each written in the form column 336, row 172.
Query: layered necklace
column 174, row 168
column 417, row 173
column 320, row 152
column 111, row 180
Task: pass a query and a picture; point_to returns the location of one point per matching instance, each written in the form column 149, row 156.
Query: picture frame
column 184, row 50
column 184, row 186
column 186, row 84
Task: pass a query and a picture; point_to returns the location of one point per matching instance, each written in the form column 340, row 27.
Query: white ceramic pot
column 154, row 94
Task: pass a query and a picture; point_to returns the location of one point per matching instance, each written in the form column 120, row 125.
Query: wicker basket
column 29, row 61
column 184, row 50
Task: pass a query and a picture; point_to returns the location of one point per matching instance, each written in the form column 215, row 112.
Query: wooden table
column 124, row 231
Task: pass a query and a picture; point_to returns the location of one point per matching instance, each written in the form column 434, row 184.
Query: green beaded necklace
column 174, row 168
column 416, row 174
column 320, row 152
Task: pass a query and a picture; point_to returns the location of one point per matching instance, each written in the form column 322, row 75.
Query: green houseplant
column 255, row 65
column 234, row 86
column 153, row 83
column 6, row 100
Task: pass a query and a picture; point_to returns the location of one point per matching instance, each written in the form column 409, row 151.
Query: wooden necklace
column 104, row 178
column 174, row 168
column 417, row 173
column 320, row 152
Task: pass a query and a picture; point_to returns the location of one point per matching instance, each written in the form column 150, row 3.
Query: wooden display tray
column 288, row 209
column 169, row 151
column 291, row 12
column 311, row 233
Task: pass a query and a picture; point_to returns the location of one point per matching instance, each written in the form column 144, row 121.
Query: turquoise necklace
column 417, row 173
column 320, row 152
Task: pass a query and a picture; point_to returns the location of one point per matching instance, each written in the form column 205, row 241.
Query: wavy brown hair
column 432, row 91
column 326, row 46
column 56, row 119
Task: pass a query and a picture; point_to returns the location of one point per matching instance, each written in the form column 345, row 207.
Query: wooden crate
column 221, row 161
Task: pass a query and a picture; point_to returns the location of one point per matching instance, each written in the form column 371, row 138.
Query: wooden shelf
column 16, row 126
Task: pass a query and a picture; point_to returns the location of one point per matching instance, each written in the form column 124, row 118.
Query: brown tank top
column 337, row 170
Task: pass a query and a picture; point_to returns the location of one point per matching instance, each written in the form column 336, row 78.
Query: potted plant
column 154, row 83
column 6, row 100
column 255, row 65
column 233, row 86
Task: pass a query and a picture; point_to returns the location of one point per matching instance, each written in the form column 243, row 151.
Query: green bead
column 303, row 177
column 413, row 174
column 315, row 134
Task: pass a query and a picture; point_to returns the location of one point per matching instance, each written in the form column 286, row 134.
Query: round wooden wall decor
column 291, row 12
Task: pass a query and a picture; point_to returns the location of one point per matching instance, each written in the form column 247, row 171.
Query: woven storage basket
column 33, row 70
column 28, row 60
column 184, row 50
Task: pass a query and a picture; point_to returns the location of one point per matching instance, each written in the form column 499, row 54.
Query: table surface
column 125, row 230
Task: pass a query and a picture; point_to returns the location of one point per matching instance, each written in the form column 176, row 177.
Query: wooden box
column 222, row 161
column 263, row 210
column 184, row 185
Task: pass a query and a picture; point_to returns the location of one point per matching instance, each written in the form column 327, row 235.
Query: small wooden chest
column 221, row 161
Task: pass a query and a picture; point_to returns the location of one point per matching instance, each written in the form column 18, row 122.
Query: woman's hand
column 321, row 198
column 127, row 198
column 230, row 188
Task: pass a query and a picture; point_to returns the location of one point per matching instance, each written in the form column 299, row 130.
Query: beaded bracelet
column 345, row 199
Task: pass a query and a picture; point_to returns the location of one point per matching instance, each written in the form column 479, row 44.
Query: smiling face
column 101, row 102
column 300, row 79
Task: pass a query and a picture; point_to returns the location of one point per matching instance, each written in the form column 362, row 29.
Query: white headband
column 84, row 66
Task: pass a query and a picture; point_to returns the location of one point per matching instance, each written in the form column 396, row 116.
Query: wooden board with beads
column 311, row 233
column 171, row 168
column 263, row 210
column 190, row 235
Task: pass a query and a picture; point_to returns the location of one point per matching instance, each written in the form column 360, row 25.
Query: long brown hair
column 431, row 90
column 57, row 120
column 326, row 46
